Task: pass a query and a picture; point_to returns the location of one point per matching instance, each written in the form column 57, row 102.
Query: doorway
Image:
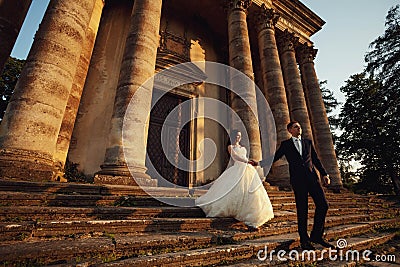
column 177, row 138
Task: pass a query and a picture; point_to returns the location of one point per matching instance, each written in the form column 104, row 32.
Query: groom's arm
column 278, row 154
column 317, row 162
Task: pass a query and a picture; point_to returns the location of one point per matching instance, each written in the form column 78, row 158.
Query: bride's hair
column 232, row 136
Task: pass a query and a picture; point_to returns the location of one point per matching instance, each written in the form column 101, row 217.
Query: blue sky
column 351, row 25
column 29, row 28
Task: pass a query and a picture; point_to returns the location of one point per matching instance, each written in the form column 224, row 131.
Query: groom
column 302, row 160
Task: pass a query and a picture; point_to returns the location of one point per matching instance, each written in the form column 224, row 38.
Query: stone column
column 138, row 65
column 319, row 119
column 240, row 59
column 12, row 15
column 67, row 126
column 274, row 88
column 294, row 88
column 33, row 118
column 92, row 125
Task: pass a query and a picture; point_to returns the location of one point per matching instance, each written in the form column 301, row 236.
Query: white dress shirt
column 297, row 144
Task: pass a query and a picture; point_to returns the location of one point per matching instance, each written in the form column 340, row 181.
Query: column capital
column 266, row 18
column 306, row 53
column 287, row 41
column 241, row 5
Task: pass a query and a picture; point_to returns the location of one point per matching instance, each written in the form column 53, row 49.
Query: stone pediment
column 170, row 75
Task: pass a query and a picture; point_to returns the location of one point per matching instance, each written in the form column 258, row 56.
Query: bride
column 239, row 191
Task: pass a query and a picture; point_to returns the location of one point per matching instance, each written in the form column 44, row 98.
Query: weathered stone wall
column 92, row 125
column 135, row 39
column 204, row 47
column 34, row 115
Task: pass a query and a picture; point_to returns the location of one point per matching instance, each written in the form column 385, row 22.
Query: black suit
column 304, row 181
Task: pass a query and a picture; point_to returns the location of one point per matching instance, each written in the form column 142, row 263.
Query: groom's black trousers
column 301, row 191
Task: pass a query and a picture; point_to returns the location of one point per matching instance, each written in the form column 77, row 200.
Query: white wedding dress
column 238, row 193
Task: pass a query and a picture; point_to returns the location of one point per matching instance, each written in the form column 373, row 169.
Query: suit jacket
column 300, row 167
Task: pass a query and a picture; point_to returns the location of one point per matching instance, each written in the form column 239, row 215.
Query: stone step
column 77, row 200
column 18, row 229
column 48, row 188
column 235, row 252
column 332, row 204
column 22, row 193
column 114, row 246
column 66, row 200
column 71, row 223
column 348, row 227
column 34, row 213
column 383, row 255
column 63, row 228
column 366, row 244
column 271, row 188
column 350, row 255
column 37, row 213
column 92, row 189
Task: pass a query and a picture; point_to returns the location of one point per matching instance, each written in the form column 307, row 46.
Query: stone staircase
column 66, row 224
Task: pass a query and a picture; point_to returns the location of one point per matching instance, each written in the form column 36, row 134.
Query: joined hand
column 252, row 162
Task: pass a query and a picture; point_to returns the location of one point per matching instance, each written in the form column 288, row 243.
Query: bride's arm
column 236, row 156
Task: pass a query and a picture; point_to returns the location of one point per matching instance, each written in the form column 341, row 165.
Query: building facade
column 90, row 57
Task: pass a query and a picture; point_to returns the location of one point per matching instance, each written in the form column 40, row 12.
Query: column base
column 25, row 165
column 59, row 172
column 279, row 176
column 335, row 188
column 120, row 175
column 124, row 180
column 336, row 185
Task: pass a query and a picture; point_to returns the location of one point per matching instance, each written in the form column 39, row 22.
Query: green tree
column 8, row 80
column 370, row 117
column 383, row 61
column 368, row 136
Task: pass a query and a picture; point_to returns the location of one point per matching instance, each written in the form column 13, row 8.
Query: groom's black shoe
column 322, row 242
column 307, row 245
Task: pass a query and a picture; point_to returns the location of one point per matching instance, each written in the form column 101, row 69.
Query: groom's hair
column 290, row 124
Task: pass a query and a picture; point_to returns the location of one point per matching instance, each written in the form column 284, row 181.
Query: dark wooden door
column 176, row 138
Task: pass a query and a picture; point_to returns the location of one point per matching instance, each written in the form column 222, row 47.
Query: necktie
column 298, row 145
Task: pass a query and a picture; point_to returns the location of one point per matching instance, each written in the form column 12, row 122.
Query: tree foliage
column 367, row 134
column 370, row 116
column 383, row 61
column 8, row 80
